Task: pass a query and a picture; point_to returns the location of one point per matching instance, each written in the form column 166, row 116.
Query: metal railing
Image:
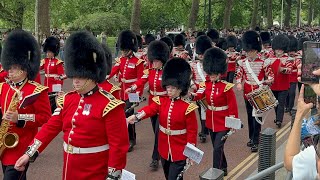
column 269, row 171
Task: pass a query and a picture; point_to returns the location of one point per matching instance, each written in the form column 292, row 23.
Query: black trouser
column 254, row 126
column 219, row 158
column 131, row 127
column 291, row 96
column 9, row 173
column 172, row 169
column 204, row 129
column 155, row 127
column 281, row 97
column 230, row 76
column 53, row 104
column 299, row 86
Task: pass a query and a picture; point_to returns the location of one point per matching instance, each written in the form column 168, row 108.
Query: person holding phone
column 281, row 65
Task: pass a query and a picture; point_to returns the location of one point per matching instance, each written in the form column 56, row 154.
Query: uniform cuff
column 33, row 149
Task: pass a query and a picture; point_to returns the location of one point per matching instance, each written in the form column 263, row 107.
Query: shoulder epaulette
column 190, row 108
column 146, row 71
column 42, row 62
column 39, row 88
column 111, row 105
column 140, row 61
column 228, row 86
column 156, row 99
column 60, row 101
column 202, row 84
column 114, row 88
column 59, row 61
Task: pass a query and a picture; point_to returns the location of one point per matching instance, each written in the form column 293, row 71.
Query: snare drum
column 262, row 99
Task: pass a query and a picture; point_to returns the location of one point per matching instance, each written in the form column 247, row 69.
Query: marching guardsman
column 53, row 69
column 94, row 134
column 281, row 65
column 158, row 54
column 148, row 38
column 232, row 55
column 203, row 43
column 130, row 69
column 222, row 103
column 259, row 68
column 296, row 61
column 22, row 116
column 214, row 35
column 106, row 85
column 178, row 49
column 266, row 45
column 177, row 117
column 169, row 42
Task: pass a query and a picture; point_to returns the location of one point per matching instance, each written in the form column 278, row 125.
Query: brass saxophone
column 8, row 139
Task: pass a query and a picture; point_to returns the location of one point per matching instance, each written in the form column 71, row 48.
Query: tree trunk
column 287, row 17
column 310, row 15
column 42, row 19
column 227, row 14
column 135, row 17
column 269, row 14
column 298, row 13
column 209, row 15
column 254, row 14
column 193, row 15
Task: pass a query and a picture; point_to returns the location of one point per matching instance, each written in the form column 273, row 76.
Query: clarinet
column 185, row 168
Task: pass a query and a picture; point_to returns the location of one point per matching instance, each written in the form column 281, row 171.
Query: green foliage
column 111, row 23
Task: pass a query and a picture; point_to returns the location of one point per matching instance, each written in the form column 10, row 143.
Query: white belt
column 51, row 75
column 158, row 93
column 294, row 70
column 172, row 132
column 68, row 148
column 221, row 108
column 252, row 82
column 128, row 80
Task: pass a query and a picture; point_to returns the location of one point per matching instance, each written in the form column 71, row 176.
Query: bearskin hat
column 301, row 41
column 257, row 29
column 21, row 48
column 222, row 43
column 168, row 41
column 179, row 40
column 109, row 58
column 52, row 44
column 214, row 61
column 158, row 50
column 139, row 41
column 200, row 33
column 213, row 35
column 203, row 43
column 128, row 41
column 85, row 57
column 171, row 36
column 232, row 41
column 280, row 41
column 177, row 73
column 293, row 44
column 251, row 41
column 265, row 37
column 148, row 38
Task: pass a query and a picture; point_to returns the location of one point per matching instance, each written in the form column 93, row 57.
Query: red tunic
column 129, row 71
column 232, row 57
column 111, row 88
column 26, row 132
column 52, row 68
column 173, row 115
column 266, row 52
column 260, row 68
column 218, row 95
column 86, row 123
column 180, row 53
column 295, row 63
column 3, row 74
column 281, row 79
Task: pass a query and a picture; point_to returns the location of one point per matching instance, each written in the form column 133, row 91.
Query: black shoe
column 286, row 110
column 154, row 165
column 225, row 172
column 250, row 143
column 132, row 144
column 254, row 148
column 278, row 123
column 275, row 121
column 203, row 138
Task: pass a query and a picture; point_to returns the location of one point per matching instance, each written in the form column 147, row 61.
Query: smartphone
column 310, row 96
column 310, row 61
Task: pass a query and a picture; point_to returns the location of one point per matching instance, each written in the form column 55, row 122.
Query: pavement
column 241, row 162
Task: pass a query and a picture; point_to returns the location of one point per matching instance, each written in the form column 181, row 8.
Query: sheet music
column 193, row 153
column 232, row 122
column 134, row 97
column 126, row 175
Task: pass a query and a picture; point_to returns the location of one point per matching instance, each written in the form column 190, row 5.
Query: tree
column 254, row 14
column 135, row 17
column 193, row 14
column 269, row 13
column 12, row 12
column 42, row 19
column 227, row 14
column 310, row 12
column 298, row 13
column 287, row 17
